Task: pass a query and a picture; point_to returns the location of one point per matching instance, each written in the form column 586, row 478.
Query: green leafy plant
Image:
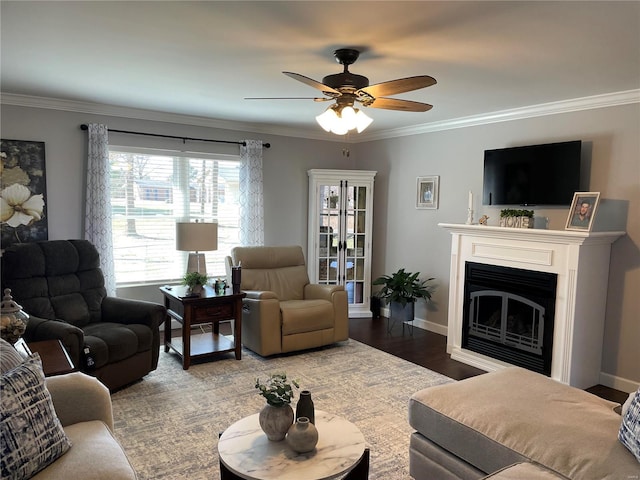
column 277, row 389
column 403, row 287
column 192, row 279
column 511, row 212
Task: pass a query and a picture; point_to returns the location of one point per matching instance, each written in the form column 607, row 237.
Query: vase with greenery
column 401, row 290
column 195, row 281
column 277, row 415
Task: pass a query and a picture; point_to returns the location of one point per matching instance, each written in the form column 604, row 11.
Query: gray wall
column 403, row 236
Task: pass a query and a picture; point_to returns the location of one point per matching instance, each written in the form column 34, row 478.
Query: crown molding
column 153, row 115
column 551, row 108
column 543, row 109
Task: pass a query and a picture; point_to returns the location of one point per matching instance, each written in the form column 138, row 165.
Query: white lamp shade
column 326, row 119
column 362, row 121
column 348, row 118
column 339, row 127
column 196, row 237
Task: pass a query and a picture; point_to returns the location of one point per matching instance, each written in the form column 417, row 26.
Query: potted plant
column 516, row 218
column 195, row 281
column 277, row 415
column 401, row 289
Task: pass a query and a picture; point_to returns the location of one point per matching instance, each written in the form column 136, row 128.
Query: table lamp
column 195, row 238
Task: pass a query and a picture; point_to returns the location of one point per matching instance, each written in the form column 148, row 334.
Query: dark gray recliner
column 60, row 285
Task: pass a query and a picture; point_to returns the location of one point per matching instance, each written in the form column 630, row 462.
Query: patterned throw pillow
column 9, row 356
column 629, row 433
column 31, row 435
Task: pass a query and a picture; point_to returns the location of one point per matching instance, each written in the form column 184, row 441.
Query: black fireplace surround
column 509, row 315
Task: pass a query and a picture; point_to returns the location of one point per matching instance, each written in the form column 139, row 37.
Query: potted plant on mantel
column 401, row 289
column 516, row 218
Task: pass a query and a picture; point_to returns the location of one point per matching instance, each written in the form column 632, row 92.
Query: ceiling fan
column 347, row 88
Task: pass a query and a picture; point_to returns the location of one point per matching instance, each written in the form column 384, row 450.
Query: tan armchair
column 282, row 311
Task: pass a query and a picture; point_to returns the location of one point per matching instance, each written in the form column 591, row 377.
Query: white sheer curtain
column 251, row 199
column 97, row 217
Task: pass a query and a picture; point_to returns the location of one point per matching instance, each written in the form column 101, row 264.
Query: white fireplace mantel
column 581, row 262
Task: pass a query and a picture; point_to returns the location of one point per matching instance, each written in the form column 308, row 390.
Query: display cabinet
column 340, row 230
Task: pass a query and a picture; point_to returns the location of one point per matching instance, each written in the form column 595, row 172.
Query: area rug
column 169, row 422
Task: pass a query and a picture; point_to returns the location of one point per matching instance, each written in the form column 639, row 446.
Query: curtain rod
column 184, row 139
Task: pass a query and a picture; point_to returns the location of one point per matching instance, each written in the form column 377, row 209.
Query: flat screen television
column 546, row 174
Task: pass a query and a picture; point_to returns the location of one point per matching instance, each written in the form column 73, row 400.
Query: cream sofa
column 63, row 422
column 515, row 424
column 282, row 311
column 83, row 406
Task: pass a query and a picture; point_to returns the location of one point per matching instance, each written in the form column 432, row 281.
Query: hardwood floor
column 428, row 349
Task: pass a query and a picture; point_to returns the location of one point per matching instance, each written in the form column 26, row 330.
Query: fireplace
column 578, row 265
column 508, row 315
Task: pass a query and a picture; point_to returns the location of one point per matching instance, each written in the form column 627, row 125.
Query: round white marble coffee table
column 246, row 452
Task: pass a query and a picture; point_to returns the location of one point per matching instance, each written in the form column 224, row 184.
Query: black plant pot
column 374, row 305
column 402, row 313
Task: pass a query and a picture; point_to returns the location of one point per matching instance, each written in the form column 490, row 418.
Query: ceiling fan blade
column 396, row 104
column 401, row 85
column 315, row 99
column 312, row 83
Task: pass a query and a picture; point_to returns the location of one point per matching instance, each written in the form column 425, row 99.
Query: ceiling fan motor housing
column 346, row 80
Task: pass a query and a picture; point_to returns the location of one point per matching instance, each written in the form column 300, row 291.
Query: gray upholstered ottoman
column 525, row 471
column 471, row 428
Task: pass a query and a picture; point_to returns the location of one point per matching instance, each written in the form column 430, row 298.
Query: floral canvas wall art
column 23, row 190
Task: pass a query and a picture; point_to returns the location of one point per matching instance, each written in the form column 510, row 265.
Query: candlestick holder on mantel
column 470, row 209
column 469, row 216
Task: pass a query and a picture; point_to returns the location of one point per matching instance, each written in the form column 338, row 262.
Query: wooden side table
column 55, row 359
column 208, row 308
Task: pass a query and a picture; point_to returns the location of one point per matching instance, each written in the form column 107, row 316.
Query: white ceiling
column 203, row 58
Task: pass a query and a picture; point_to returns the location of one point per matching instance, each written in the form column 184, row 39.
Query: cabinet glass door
column 329, row 235
column 339, row 233
column 355, row 236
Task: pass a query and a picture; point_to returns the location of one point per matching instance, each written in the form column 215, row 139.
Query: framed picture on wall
column 23, row 188
column 582, row 211
column 427, row 192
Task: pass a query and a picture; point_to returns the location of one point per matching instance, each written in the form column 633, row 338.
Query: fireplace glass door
column 509, row 315
column 508, row 319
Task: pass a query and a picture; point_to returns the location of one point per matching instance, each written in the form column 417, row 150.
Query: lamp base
column 197, row 263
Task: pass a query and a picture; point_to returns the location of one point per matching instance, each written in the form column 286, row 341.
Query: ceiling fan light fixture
column 339, row 127
column 340, row 120
column 348, row 116
column 362, row 121
column 327, row 118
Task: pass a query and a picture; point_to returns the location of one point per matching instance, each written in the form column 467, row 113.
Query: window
column 150, row 191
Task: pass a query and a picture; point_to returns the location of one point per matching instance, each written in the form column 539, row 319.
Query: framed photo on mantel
column 427, row 192
column 582, row 211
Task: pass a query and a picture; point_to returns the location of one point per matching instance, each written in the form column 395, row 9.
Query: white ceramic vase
column 275, row 421
column 302, row 436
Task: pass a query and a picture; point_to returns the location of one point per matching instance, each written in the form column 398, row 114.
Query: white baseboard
column 421, row 323
column 619, row 383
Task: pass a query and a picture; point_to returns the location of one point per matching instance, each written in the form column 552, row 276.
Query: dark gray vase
column 305, row 407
